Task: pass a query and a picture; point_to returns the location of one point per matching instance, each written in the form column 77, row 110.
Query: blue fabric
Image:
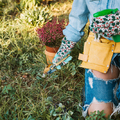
column 116, row 59
column 118, row 93
column 82, row 10
column 100, row 90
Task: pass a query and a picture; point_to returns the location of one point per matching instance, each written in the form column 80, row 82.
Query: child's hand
column 106, row 26
column 64, row 50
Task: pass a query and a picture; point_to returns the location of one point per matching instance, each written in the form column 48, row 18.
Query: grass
column 24, row 93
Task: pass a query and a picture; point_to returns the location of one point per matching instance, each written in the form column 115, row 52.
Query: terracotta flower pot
column 50, row 53
column 52, row 49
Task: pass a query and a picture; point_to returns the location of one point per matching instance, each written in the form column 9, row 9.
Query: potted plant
column 51, row 36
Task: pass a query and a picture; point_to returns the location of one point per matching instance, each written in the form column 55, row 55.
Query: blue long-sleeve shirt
column 82, row 10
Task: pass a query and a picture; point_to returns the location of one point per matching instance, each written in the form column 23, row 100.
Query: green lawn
column 24, row 93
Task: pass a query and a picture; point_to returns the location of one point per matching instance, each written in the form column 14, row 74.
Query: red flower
column 51, row 33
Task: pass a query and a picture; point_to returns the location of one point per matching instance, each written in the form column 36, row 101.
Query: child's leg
column 112, row 73
column 100, row 91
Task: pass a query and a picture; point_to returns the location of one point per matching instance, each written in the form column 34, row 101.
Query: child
column 101, row 58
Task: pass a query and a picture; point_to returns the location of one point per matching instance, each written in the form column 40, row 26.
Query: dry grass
column 61, row 10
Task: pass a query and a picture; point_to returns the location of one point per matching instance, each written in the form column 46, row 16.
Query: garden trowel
column 53, row 67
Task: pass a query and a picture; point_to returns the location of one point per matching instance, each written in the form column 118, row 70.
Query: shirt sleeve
column 78, row 18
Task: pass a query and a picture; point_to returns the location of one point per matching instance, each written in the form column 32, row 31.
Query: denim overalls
column 96, row 89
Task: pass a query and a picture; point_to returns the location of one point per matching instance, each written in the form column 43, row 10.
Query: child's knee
column 101, row 106
column 112, row 73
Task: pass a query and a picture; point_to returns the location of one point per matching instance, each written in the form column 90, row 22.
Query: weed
column 37, row 16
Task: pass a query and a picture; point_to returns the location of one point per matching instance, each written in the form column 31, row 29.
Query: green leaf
column 4, row 90
column 58, row 109
column 61, row 105
column 70, row 113
column 51, row 112
column 54, row 113
column 9, row 87
column 58, row 118
column 38, row 78
column 31, row 118
column 69, row 118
